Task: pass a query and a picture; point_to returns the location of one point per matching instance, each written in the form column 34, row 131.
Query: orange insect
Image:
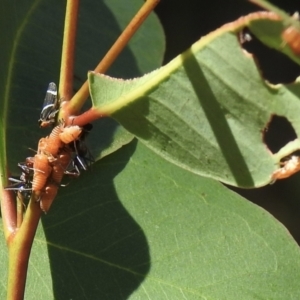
column 70, row 134
column 56, row 131
column 58, row 169
column 48, row 196
column 52, row 143
column 291, row 36
column 42, row 170
column 289, row 168
column 60, row 165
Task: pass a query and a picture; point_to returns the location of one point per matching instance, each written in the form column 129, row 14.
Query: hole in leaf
column 274, row 66
column 278, row 133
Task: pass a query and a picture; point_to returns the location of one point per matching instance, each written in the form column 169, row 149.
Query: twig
column 80, row 97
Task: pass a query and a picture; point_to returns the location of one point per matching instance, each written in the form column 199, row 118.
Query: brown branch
column 80, row 97
column 87, row 117
column 68, row 49
column 20, row 209
column 19, row 245
column 8, row 210
column 19, row 232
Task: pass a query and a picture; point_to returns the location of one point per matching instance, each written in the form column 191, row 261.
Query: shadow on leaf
column 96, row 249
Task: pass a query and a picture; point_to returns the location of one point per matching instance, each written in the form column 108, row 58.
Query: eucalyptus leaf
column 207, row 109
column 137, row 226
column 31, row 35
column 31, row 41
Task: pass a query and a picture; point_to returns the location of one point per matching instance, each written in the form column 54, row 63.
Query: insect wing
column 16, row 183
column 20, row 186
column 83, row 159
column 49, row 109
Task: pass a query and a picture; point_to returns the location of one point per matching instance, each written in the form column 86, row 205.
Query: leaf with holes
column 207, row 109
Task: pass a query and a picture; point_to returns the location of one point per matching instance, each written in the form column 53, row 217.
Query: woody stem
column 80, row 97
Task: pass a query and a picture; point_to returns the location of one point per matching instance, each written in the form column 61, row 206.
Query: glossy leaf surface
column 31, row 52
column 207, row 110
column 137, row 226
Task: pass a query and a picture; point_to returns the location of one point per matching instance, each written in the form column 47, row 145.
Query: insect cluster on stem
column 62, row 152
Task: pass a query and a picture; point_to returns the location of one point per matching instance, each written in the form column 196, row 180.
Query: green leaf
column 31, row 52
column 31, row 35
column 206, row 110
column 140, row 227
column 136, row 226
